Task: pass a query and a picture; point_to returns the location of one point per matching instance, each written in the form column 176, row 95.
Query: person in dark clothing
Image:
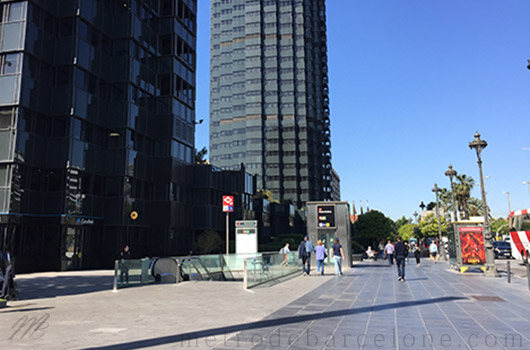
column 124, row 269
column 7, row 277
column 400, row 253
column 304, row 253
column 417, row 255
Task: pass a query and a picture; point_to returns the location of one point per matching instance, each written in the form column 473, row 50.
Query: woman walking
column 320, row 256
column 338, row 255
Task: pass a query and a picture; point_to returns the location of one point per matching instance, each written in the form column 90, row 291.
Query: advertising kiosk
column 466, row 246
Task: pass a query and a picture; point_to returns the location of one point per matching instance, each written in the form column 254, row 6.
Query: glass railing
column 132, row 272
column 218, row 267
column 269, row 267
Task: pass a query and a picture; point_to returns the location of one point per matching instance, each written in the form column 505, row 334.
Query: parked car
column 502, row 249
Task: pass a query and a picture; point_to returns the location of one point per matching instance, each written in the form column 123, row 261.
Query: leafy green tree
column 401, row 221
column 209, row 242
column 266, row 194
column 200, row 156
column 475, row 207
column 445, row 200
column 406, row 231
column 499, row 225
column 463, row 192
column 429, row 226
column 373, row 226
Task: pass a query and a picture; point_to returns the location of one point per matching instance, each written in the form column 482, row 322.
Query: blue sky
column 410, row 83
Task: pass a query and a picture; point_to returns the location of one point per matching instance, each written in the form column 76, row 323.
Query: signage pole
column 227, row 236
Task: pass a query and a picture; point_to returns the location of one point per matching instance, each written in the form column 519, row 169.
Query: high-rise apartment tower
column 269, row 105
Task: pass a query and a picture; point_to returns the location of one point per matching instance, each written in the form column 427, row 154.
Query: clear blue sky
column 410, row 83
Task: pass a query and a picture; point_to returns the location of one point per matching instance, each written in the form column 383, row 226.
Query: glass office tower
column 269, row 105
column 96, row 116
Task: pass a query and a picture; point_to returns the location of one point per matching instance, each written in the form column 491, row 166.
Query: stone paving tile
column 432, row 310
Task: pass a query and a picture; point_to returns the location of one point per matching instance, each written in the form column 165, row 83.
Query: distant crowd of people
column 395, row 252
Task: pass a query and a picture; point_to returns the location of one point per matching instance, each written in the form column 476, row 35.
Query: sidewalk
column 366, row 308
column 78, row 310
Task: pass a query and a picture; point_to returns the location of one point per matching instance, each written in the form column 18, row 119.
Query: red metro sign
column 228, row 204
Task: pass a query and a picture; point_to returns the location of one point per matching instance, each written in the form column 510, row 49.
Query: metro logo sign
column 228, row 204
column 326, row 216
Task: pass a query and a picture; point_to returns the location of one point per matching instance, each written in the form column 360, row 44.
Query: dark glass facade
column 269, row 104
column 97, row 120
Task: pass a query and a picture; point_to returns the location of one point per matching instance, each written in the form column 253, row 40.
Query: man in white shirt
column 389, row 252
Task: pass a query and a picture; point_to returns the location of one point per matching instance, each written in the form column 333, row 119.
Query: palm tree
column 463, row 192
column 475, row 206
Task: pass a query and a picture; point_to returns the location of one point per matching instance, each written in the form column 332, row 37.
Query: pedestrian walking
column 320, row 255
column 285, row 250
column 401, row 252
column 337, row 253
column 417, row 255
column 433, row 251
column 389, row 252
column 124, row 268
column 304, row 253
column 7, row 277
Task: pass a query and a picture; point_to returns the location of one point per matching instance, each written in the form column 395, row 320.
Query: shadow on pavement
column 54, row 286
column 11, row 309
column 266, row 323
column 365, row 265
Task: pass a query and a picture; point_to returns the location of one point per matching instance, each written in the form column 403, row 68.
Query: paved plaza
column 365, row 309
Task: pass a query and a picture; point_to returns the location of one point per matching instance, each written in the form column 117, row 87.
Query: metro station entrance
column 72, row 247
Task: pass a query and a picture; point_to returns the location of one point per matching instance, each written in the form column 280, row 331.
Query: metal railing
column 253, row 269
column 269, row 267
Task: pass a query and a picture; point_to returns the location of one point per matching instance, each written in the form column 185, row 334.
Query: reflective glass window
column 10, row 63
column 66, row 27
column 15, row 12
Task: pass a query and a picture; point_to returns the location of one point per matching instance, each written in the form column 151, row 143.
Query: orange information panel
column 472, row 245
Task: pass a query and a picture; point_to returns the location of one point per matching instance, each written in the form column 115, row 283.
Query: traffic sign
column 228, row 204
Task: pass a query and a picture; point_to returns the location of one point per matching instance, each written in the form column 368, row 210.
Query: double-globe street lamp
column 436, row 190
column 491, row 270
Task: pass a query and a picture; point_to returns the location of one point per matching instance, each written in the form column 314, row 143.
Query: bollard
column 115, row 282
column 527, row 264
column 509, row 272
column 528, row 274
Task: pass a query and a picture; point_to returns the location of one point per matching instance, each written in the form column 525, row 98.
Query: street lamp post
column 436, row 190
column 452, row 173
column 491, row 270
column 527, row 183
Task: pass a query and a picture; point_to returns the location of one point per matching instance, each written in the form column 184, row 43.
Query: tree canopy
column 401, row 221
column 200, row 156
column 463, row 192
column 406, row 231
column 373, row 226
column 429, row 225
column 499, row 225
